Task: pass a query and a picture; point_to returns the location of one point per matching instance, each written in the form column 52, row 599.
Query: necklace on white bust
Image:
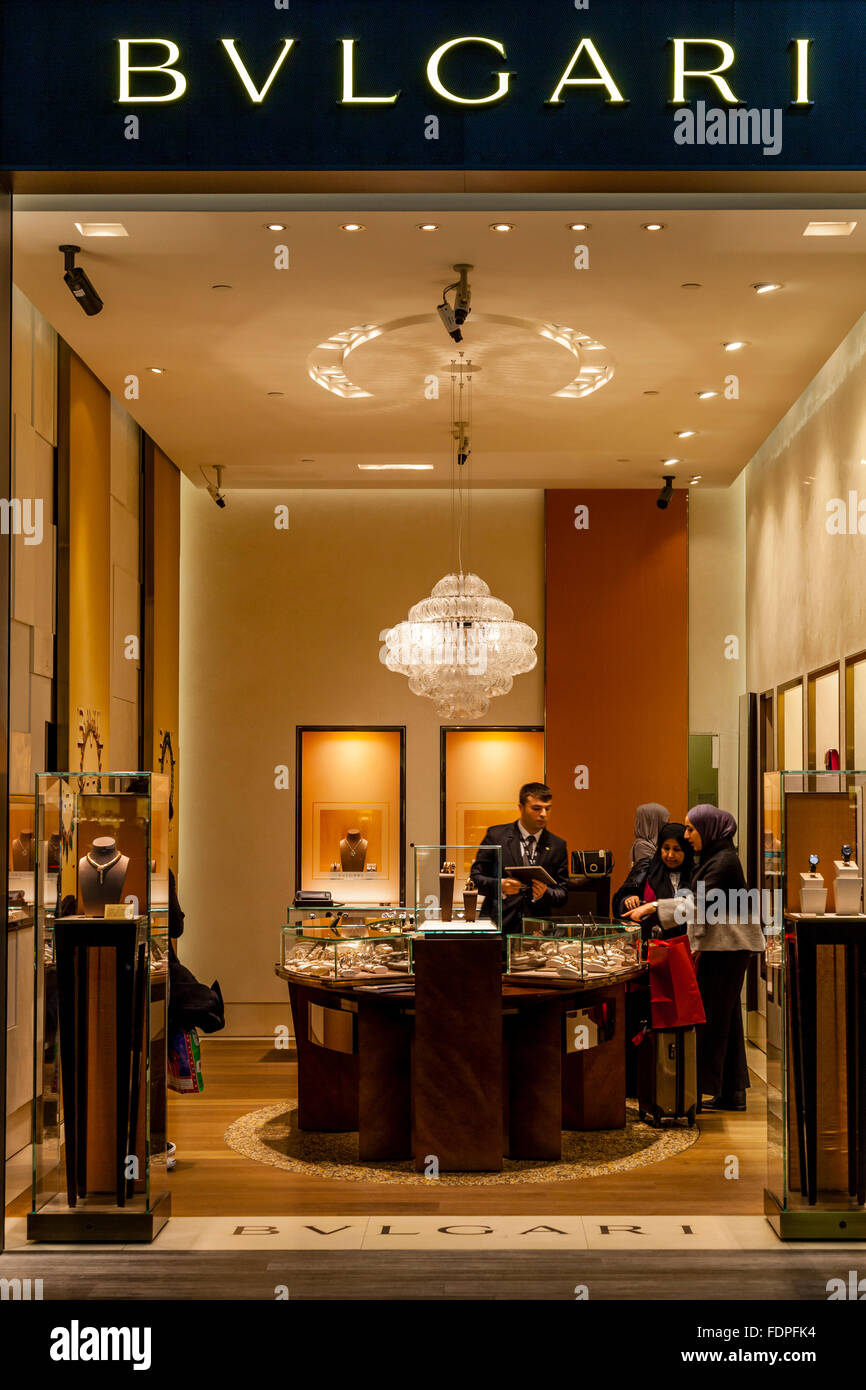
column 102, row 869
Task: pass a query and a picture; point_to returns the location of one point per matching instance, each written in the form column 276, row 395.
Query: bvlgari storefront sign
column 418, row 84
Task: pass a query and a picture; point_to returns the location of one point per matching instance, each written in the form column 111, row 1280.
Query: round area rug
column 271, row 1136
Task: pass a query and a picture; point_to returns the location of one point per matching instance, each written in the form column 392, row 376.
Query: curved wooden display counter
column 463, row 1066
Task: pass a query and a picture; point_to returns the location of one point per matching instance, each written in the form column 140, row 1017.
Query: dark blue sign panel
column 432, row 84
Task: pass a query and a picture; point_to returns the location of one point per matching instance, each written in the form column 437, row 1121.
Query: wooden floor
column 240, row 1076
column 698, row 1278
column 211, row 1180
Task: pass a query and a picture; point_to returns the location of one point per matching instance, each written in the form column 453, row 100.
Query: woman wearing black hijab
column 665, row 874
column 723, row 944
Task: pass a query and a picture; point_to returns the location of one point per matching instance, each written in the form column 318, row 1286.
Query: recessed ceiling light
column 276, row 226
column 706, row 395
column 101, row 229
column 579, row 226
column 669, row 463
column 276, row 393
column 158, row 371
column 623, row 460
column 695, row 480
column 221, row 287
column 653, row 226
column 396, row 467
column 352, row 227
column 767, row 286
column 650, row 393
column 502, row 226
column 807, row 482
column 428, row 226
column 686, row 434
column 829, row 229
column 735, row 345
column 691, row 285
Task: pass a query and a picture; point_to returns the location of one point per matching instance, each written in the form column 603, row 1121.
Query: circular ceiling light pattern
column 524, row 358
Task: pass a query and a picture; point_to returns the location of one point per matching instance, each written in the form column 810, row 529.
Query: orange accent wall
column 616, row 663
column 89, row 557
column 166, row 622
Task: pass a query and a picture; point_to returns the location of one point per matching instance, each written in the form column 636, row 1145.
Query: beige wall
column 34, row 377
column 806, row 602
column 717, row 612
column 31, row 659
column 279, row 629
column 125, row 589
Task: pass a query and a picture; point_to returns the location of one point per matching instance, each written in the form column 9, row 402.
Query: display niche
column 350, row 814
column 481, row 772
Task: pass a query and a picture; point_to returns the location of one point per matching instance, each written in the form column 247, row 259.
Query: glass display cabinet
column 457, row 889
column 101, row 997
column 309, row 955
column 562, row 952
column 351, row 919
column 816, row 1006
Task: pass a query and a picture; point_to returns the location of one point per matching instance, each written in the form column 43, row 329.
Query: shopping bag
column 675, row 999
column 184, row 1062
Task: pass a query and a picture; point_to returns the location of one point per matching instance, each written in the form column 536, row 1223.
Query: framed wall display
column 855, row 710
column 790, row 712
column 823, row 725
column 481, row 772
column 351, row 812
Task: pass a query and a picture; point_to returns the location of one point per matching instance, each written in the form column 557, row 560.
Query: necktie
column 530, row 849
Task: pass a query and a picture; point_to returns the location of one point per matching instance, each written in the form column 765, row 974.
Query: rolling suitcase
column 667, row 1075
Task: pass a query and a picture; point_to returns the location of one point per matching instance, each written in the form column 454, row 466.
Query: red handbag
column 675, row 998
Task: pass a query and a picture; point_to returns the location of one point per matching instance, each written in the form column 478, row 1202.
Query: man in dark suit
column 525, row 841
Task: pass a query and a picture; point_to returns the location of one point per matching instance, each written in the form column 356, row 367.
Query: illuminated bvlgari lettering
column 436, row 82
column 801, row 72
column 681, row 72
column 126, row 69
column 348, row 97
column 257, row 95
column 603, row 79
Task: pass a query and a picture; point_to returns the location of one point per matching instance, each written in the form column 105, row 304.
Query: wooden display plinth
column 593, row 1082
column 457, row 1099
column 98, row 1222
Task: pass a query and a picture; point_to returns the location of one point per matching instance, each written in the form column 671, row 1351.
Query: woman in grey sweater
column 723, row 938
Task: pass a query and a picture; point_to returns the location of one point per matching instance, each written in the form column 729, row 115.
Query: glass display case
column 813, row 839
column 351, row 920
column 101, row 998
column 816, row 1003
column 457, row 889
column 309, row 955
column 560, row 952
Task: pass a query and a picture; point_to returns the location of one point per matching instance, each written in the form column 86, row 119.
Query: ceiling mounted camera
column 666, row 493
column 79, row 282
column 215, row 489
column 455, row 317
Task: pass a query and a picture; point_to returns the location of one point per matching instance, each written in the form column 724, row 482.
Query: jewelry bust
column 101, row 876
column 353, row 852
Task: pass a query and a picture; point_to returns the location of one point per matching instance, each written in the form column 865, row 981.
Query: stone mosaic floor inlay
column 271, row 1136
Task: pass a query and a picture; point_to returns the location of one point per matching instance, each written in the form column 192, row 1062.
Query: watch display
column 318, row 958
column 598, row 953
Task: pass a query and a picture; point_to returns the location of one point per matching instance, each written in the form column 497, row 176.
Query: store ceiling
column 223, row 350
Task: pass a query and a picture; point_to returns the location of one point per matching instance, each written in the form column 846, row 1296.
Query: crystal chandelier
column 461, row 646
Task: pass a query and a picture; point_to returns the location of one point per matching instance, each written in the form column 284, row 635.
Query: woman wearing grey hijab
column 648, row 821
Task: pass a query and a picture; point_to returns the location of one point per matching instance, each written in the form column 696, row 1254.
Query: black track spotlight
column 666, row 493
column 79, row 282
